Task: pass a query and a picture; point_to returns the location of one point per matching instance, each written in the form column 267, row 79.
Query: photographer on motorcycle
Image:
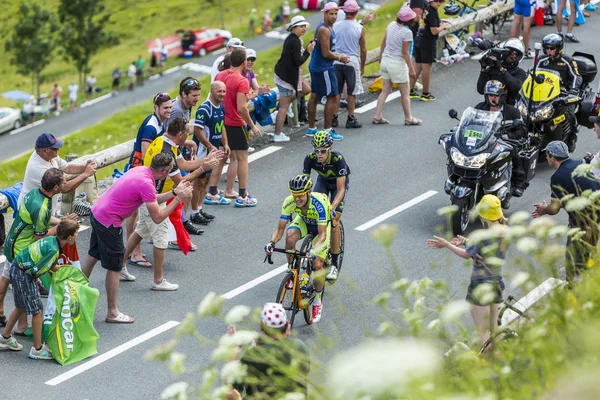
column 566, row 67
column 495, row 100
column 502, row 64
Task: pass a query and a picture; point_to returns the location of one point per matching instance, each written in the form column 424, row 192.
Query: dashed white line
column 94, row 362
column 396, row 210
column 373, row 104
column 247, row 286
column 24, row 128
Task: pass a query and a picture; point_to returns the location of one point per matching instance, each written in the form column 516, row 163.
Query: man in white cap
column 278, row 364
column 286, row 12
column 231, row 44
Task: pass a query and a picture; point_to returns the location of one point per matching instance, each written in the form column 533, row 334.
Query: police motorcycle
column 479, row 161
column 545, row 107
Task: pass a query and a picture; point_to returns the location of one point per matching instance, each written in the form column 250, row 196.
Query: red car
column 199, row 42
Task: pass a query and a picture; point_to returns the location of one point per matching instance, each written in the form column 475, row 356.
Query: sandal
column 587, row 15
column 120, row 319
column 140, row 263
column 413, row 121
column 380, row 121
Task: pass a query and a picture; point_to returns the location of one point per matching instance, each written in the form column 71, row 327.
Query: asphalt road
column 390, row 165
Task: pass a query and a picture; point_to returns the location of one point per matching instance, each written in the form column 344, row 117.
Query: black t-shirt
column 563, row 183
column 417, row 4
column 431, row 19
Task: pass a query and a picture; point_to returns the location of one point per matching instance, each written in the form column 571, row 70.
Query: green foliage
column 83, row 32
column 32, row 41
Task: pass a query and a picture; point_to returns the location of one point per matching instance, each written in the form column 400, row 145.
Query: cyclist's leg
column 335, row 232
column 319, row 261
column 296, row 231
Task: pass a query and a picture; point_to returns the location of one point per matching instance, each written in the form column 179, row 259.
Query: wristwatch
column 173, row 191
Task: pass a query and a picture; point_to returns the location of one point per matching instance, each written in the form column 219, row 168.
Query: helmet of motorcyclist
column 555, row 41
column 300, row 184
column 517, row 51
column 322, row 139
column 495, row 88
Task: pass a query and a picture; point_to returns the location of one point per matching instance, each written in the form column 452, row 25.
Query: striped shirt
column 396, row 35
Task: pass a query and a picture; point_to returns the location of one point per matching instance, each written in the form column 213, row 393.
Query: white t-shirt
column 215, row 68
column 396, row 35
column 35, row 170
column 28, row 108
column 91, row 81
column 131, row 71
column 73, row 88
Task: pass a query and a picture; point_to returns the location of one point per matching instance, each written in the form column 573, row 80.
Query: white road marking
column 94, row 362
column 171, row 70
column 544, row 289
column 256, row 156
column 396, row 210
column 394, row 95
column 255, row 282
column 83, row 227
column 24, row 128
column 96, row 100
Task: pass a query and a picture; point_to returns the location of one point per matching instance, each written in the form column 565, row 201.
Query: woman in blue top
column 484, row 311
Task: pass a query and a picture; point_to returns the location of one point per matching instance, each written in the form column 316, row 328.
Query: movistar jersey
column 37, row 258
column 210, row 119
column 317, row 213
column 33, row 219
column 334, row 168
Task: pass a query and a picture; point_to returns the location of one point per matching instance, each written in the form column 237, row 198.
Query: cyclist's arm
column 279, row 231
column 341, row 192
column 322, row 238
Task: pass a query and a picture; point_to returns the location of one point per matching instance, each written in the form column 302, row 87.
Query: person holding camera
column 495, row 97
column 502, row 64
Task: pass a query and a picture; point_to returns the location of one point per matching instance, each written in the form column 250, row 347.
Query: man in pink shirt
column 125, row 196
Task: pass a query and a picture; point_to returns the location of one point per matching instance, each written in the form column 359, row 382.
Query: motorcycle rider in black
column 566, row 67
column 495, row 100
column 506, row 70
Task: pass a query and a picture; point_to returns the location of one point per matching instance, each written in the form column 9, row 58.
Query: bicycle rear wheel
column 306, row 266
column 285, row 296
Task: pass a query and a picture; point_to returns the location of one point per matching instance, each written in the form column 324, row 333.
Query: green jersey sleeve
column 288, row 208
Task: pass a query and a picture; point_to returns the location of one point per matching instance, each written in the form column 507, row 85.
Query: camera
column 494, row 56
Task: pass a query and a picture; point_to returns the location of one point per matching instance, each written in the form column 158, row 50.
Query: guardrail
column 123, row 151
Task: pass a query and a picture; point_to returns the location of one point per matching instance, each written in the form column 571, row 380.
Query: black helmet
column 300, row 184
column 496, row 88
column 553, row 40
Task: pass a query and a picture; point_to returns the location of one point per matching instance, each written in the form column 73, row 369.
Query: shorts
column 238, row 137
column 299, row 224
column 394, row 69
column 523, row 8
column 324, row 83
column 498, row 288
column 148, row 229
column 90, row 89
column 283, row 92
column 346, row 74
column 116, row 82
column 6, row 270
column 73, row 99
column 106, row 245
column 425, row 51
column 25, row 290
column 330, row 189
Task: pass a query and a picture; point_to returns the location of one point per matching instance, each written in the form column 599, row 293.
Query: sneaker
column 197, row 219
column 427, row 97
column 560, row 34
column 126, row 276
column 175, row 246
column 334, row 122
column 359, row 103
column 333, row 273
column 10, row 343
column 589, row 7
column 418, row 86
column 247, row 201
column 282, row 137
column 311, row 131
column 164, row 286
column 571, row 38
column 216, row 199
column 251, row 149
column 192, row 229
column 352, row 123
column 414, row 94
column 335, row 136
column 317, row 311
column 206, row 215
column 42, row 354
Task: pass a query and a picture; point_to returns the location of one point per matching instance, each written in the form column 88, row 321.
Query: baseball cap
column 298, row 20
column 250, row 53
column 48, row 140
column 406, row 13
column 595, row 119
column 557, row 148
column 332, row 5
column 273, row 315
column 351, row 6
column 235, row 42
column 490, row 208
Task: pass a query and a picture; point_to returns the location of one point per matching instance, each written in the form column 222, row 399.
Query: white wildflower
column 176, row 363
column 558, row 231
column 527, row 245
column 382, row 367
column 239, row 338
column 236, row 314
column 233, row 371
column 519, row 279
column 385, row 234
column 187, row 326
column 519, row 217
column 448, row 211
column 433, row 325
column 176, row 391
column 485, row 293
column 384, row 327
column 583, row 170
column 481, row 235
column 400, row 284
column 220, row 393
column 516, row 231
column 294, row 396
column 224, row 353
column 453, row 310
column 506, row 370
column 210, row 305
column 577, row 204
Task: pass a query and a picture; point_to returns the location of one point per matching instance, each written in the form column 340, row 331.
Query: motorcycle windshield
column 476, row 127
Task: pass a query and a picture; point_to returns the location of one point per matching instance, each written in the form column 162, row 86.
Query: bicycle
column 341, row 255
column 507, row 332
column 295, row 285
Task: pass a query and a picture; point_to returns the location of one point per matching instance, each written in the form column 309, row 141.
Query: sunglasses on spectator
column 252, row 59
column 191, row 82
column 160, row 96
column 321, row 151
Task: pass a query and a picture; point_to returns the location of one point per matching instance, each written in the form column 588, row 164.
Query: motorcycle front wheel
column 461, row 218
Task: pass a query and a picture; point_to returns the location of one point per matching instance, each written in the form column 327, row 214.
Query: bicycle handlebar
column 295, row 253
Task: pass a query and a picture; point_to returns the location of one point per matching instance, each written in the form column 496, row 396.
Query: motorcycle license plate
column 559, row 119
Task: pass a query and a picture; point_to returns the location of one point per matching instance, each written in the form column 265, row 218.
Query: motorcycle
column 545, row 107
column 479, row 161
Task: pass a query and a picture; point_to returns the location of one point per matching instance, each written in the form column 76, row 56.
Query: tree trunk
column 37, row 79
column 32, row 83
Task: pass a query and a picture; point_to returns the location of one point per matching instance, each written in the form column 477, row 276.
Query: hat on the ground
column 48, row 140
column 332, row 5
column 235, row 42
column 490, row 208
column 406, row 13
column 557, row 148
column 351, row 6
column 250, row 53
column 298, row 20
column 273, row 315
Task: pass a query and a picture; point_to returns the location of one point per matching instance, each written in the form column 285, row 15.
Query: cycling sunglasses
column 252, row 59
column 160, row 96
column 321, row 151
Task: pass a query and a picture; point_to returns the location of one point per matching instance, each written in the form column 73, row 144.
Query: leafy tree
column 32, row 41
column 83, row 32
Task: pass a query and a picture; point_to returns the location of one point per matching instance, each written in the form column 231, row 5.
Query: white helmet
column 516, row 45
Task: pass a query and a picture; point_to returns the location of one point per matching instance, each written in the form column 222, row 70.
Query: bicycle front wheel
column 285, row 296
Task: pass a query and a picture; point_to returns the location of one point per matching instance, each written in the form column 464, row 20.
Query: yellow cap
column 490, row 208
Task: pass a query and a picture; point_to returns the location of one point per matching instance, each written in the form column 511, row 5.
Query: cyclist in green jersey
column 333, row 180
column 313, row 216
